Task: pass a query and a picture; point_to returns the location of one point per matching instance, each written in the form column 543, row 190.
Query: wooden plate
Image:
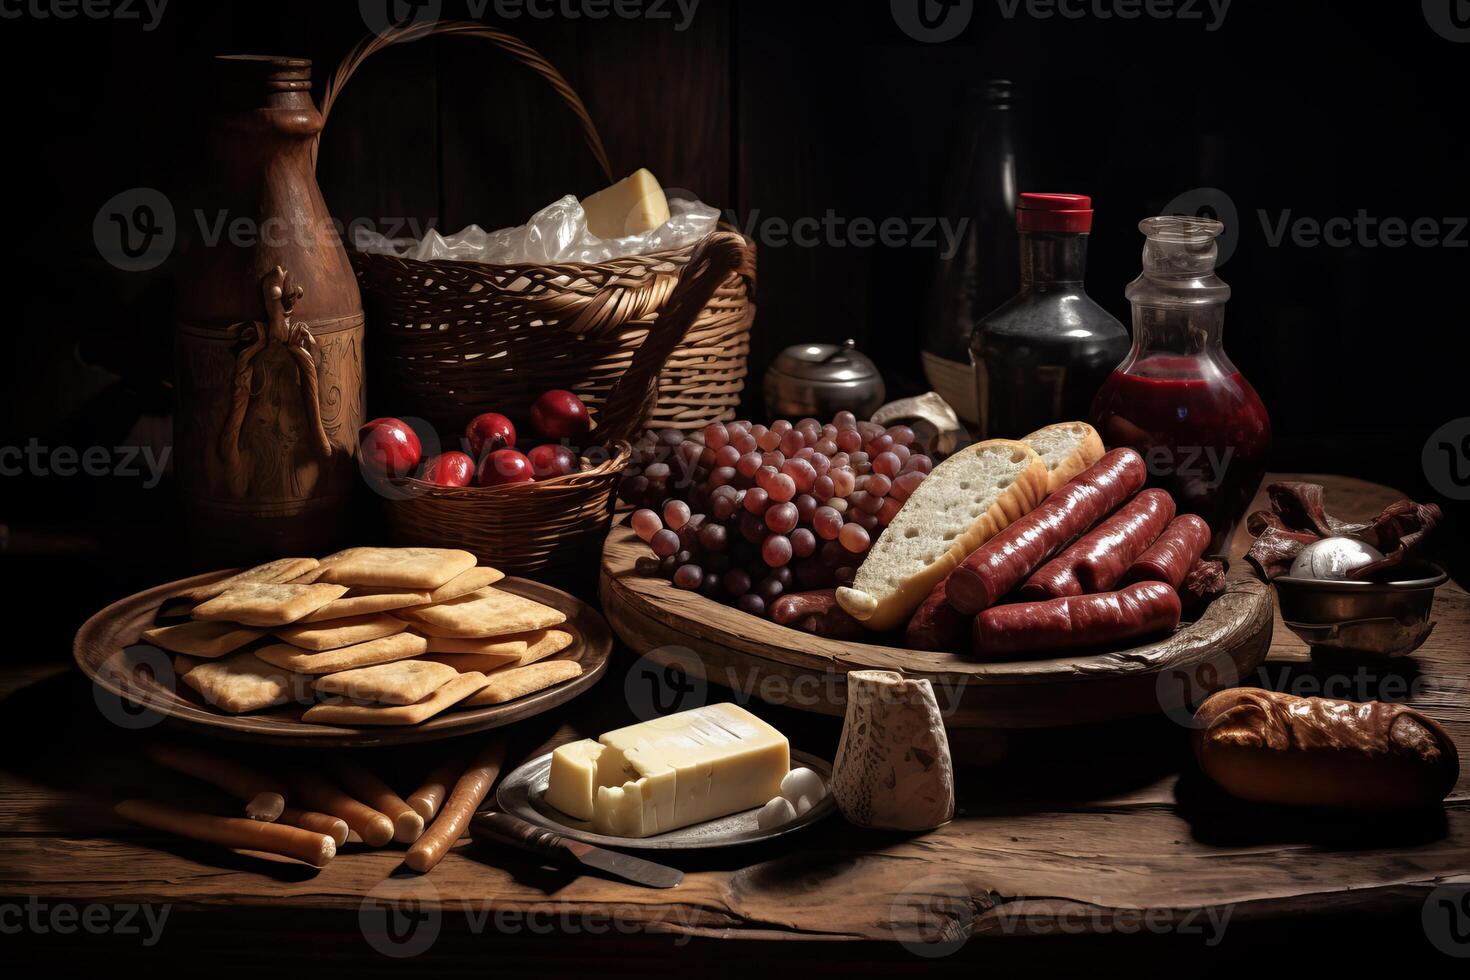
column 755, row 657
column 522, row 794
column 134, row 677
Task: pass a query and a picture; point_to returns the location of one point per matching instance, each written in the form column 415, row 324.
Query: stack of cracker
column 375, row 636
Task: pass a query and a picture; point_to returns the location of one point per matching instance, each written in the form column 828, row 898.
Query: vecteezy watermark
column 1210, row 13
column 665, row 680
column 403, row 918
column 382, row 16
column 1364, row 230
column 1446, row 459
column 1446, row 920
column 1450, row 19
column 34, row 459
column 1194, row 466
column 65, row 919
column 134, row 230
column 932, row 21
column 147, row 12
column 835, row 231
column 1208, row 922
column 932, row 916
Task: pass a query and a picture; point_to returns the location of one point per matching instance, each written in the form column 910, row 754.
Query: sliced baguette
column 1067, row 449
column 968, row 498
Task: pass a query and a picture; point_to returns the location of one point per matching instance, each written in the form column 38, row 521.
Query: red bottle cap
column 1054, row 212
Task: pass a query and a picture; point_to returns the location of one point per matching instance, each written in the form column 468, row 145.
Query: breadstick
column 312, row 791
column 407, row 823
column 318, row 823
column 469, row 791
column 237, row 832
column 429, row 797
column 264, row 797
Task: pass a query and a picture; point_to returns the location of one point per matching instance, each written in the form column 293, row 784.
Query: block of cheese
column 670, row 772
column 632, row 206
column 573, row 778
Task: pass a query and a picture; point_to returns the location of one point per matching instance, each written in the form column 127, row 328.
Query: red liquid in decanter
column 1201, row 428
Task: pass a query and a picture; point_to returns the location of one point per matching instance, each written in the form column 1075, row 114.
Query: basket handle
column 508, row 43
column 712, row 262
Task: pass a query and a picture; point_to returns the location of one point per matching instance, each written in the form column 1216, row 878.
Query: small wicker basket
column 657, row 339
column 449, row 339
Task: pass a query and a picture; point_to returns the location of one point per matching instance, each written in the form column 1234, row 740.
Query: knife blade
column 502, row 828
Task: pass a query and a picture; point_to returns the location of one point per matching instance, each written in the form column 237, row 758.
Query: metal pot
column 820, row 380
column 1364, row 619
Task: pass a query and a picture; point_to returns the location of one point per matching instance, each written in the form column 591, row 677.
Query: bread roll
column 1269, row 747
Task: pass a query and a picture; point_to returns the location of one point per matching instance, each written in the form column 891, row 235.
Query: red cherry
column 489, row 432
column 559, row 414
column 388, row 447
column 451, row 469
column 552, row 459
column 505, row 466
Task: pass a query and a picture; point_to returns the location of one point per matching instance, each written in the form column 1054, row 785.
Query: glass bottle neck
column 1052, row 258
column 1188, row 331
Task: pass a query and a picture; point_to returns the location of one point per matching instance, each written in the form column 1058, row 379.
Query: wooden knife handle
column 519, row 833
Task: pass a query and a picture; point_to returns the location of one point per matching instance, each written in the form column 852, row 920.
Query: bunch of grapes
column 744, row 512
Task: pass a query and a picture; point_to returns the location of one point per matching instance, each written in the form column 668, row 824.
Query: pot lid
column 830, row 363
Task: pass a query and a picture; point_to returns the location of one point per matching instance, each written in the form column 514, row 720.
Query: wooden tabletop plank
column 1106, row 821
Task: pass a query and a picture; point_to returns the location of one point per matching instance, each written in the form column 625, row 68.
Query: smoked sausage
column 1097, row 562
column 1076, row 621
column 817, row 613
column 1006, row 559
column 936, row 624
column 1170, row 558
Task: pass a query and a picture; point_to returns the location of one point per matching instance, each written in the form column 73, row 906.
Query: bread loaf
column 1067, row 449
column 966, row 499
column 1269, row 747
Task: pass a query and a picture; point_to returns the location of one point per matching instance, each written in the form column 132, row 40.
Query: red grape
column 854, row 538
column 736, row 582
column 756, row 501
column 716, row 435
column 887, row 464
column 905, row 484
column 878, row 485
column 803, row 542
column 823, row 488
column 752, row 604
column 889, row 509
column 664, row 543
column 676, row 512
column 782, row 518
column 845, row 420
column 748, row 464
column 713, row 537
column 902, row 434
column 688, row 577
column 776, row 550
column 646, row 523
column 826, row 521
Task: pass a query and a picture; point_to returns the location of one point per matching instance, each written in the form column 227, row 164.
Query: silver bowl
column 1363, row 619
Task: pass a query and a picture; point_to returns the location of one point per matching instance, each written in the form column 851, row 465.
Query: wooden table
column 1080, row 840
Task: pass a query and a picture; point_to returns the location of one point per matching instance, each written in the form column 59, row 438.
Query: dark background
column 784, row 109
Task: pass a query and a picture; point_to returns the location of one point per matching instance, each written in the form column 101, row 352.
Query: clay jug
column 268, row 332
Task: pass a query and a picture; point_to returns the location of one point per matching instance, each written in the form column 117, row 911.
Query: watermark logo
column 1446, row 459
column 665, row 680
column 1213, row 203
column 1450, row 19
column 1192, row 466
column 127, row 709
column 932, row 21
column 931, row 917
column 1181, row 689
column 129, row 462
column 382, row 16
column 134, row 231
column 400, row 917
column 1210, row 13
column 1446, row 920
column 833, row 230
column 40, row 918
column 148, row 12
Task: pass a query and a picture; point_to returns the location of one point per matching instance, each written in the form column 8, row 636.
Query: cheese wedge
column 670, row 772
column 632, row 206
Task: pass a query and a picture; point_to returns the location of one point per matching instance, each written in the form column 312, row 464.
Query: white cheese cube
column 573, row 778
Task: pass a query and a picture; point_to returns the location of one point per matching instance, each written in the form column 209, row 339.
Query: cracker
column 365, row 602
column 280, row 570
column 516, row 682
column 404, row 568
column 488, row 655
column 466, row 582
column 483, row 613
column 266, row 604
column 341, row 632
column 242, row 682
column 202, row 639
column 401, row 682
column 407, row 714
column 387, row 649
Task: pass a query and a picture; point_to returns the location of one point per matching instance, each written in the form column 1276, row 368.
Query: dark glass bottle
column 982, row 271
column 1040, row 357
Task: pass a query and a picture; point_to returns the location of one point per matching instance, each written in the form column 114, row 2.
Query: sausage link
column 319, row 823
column 428, row 798
column 313, row 792
column 1170, row 558
column 1097, row 562
column 936, row 624
column 236, row 832
column 363, row 785
column 817, row 613
column 263, row 796
column 469, row 792
column 1076, row 621
column 1004, row 561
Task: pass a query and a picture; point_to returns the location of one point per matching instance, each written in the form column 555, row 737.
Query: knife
column 502, row 828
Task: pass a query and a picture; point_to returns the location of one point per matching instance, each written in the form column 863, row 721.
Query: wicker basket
column 450, row 339
column 656, row 339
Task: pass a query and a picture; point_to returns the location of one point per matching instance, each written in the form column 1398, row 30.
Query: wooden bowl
column 137, row 680
column 758, row 658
